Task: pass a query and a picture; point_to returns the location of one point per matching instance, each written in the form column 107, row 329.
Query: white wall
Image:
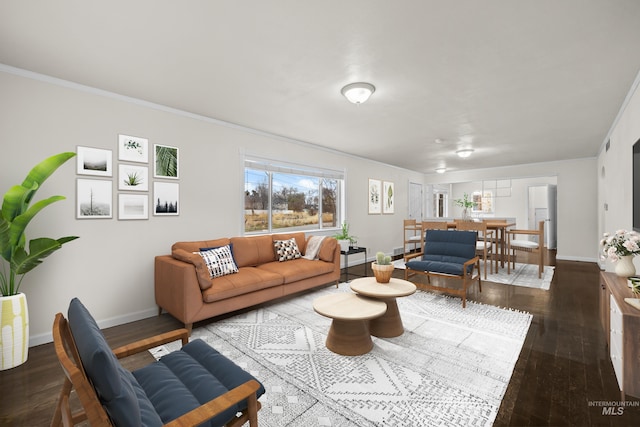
column 615, row 173
column 110, row 268
column 577, row 200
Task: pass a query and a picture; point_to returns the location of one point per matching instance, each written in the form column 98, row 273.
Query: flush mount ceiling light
column 441, row 170
column 357, row 93
column 464, row 152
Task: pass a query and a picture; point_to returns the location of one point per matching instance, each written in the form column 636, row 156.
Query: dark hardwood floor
column 561, row 378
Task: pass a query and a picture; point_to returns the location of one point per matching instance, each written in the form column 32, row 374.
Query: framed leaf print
column 374, row 196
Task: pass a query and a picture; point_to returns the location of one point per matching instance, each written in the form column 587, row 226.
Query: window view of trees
column 277, row 200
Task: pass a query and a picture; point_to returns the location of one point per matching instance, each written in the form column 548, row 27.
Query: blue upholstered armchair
column 447, row 254
column 195, row 385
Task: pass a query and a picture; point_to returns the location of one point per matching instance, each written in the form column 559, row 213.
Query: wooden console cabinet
column 621, row 323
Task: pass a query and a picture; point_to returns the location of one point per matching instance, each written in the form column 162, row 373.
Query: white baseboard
column 35, row 340
column 581, row 259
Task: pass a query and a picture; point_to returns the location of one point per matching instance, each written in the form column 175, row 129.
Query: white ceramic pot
column 624, row 266
column 344, row 245
column 14, row 331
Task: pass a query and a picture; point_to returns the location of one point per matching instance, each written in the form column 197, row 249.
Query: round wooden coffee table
column 349, row 331
column 389, row 324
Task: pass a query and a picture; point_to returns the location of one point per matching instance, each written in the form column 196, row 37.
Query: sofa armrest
column 177, row 289
column 151, row 342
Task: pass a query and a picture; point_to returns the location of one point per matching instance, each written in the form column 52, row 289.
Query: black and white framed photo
column 166, row 198
column 133, row 206
column 94, row 161
column 165, row 159
column 133, row 149
column 133, row 178
column 94, row 198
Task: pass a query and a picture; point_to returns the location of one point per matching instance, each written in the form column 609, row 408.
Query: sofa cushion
column 300, row 238
column 113, row 383
column 452, row 243
column 298, row 269
column 202, row 272
column 246, row 280
column 286, row 250
column 252, row 251
column 178, row 383
column 454, row 268
column 219, row 261
column 225, row 370
column 328, row 249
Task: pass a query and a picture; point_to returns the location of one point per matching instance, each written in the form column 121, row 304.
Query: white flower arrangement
column 622, row 243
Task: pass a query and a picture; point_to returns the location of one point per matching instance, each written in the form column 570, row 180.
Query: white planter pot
column 14, row 331
column 344, row 245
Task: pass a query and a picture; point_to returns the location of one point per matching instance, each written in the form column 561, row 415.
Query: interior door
column 415, row 201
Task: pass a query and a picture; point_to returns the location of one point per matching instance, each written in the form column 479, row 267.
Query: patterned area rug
column 522, row 275
column 450, row 367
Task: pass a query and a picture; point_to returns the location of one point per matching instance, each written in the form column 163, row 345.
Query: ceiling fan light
column 357, row 93
column 464, row 152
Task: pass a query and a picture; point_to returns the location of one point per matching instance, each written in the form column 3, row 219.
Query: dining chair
column 531, row 241
column 412, row 235
column 485, row 243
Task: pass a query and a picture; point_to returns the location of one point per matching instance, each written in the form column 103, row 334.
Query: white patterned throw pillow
column 286, row 249
column 219, row 261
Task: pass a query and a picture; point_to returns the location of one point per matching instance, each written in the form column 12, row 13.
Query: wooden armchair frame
column 466, row 278
column 525, row 246
column 92, row 410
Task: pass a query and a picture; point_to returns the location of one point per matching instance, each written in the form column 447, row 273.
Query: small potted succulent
column 382, row 268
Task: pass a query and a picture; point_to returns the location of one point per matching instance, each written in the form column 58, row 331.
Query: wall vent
column 398, row 251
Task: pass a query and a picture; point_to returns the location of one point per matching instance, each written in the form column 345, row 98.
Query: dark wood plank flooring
column 562, row 374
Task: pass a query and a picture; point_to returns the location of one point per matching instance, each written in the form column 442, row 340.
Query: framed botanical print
column 133, row 149
column 388, row 201
column 374, row 196
column 133, row 177
column 165, row 159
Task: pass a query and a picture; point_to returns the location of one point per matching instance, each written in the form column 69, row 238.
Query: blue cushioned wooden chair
column 447, row 254
column 195, row 385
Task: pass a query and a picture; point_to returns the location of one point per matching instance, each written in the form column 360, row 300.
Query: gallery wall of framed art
column 135, row 188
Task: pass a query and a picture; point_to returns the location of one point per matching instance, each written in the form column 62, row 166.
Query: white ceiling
column 518, row 81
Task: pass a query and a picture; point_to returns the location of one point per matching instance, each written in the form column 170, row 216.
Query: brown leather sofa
column 185, row 289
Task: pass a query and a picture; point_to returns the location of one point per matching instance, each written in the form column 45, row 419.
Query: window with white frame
column 284, row 197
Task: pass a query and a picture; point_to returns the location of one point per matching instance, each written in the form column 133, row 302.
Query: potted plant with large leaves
column 17, row 212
